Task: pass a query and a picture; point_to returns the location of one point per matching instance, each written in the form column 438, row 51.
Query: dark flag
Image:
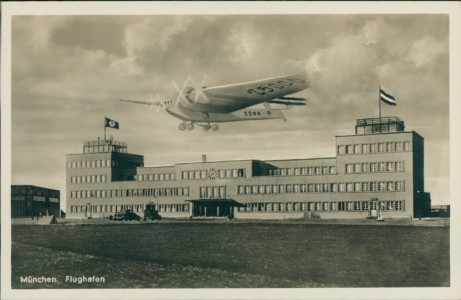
column 111, row 123
column 387, row 98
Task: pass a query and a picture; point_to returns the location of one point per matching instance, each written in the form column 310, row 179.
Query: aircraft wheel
column 190, row 126
column 215, row 127
column 182, row 126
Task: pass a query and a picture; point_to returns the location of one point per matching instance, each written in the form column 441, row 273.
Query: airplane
column 207, row 106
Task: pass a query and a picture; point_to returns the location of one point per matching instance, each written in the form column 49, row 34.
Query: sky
column 68, row 73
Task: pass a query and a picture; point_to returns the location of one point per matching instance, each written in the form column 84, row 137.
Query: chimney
column 203, row 158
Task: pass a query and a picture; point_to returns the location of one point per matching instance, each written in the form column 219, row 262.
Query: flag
column 385, row 97
column 111, row 123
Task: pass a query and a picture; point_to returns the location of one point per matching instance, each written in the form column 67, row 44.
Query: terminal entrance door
column 214, row 207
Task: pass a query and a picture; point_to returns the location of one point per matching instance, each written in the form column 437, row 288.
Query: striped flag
column 387, row 98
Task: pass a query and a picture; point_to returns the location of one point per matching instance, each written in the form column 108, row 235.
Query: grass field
column 235, row 255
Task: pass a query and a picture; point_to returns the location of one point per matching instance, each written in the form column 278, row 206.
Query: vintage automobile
column 128, row 215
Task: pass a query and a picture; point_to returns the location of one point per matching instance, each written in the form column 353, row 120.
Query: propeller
column 190, row 91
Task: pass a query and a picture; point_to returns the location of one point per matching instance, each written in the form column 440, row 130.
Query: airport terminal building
column 377, row 170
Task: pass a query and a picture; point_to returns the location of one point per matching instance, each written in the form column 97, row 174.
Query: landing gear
column 190, row 126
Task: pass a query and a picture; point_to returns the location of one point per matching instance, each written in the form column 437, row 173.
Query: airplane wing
column 233, row 97
column 138, row 101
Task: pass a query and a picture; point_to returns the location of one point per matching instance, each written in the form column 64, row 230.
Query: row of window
column 88, row 178
column 137, row 208
column 302, row 171
column 374, row 148
column 373, row 186
column 180, row 191
column 213, row 174
column 101, row 163
column 390, row 166
column 213, row 192
column 155, row 177
column 324, row 206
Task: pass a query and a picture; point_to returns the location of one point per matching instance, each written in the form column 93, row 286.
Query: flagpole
column 104, row 130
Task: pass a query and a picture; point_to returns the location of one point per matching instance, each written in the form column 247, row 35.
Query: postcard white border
column 453, row 9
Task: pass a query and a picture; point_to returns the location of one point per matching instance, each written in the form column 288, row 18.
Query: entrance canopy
column 230, row 202
column 214, row 207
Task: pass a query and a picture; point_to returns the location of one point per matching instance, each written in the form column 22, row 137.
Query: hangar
column 379, row 168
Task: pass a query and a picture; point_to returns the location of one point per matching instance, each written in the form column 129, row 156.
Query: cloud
column 426, row 51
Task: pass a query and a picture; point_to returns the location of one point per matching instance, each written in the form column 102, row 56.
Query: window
column 357, row 186
column 185, row 175
column 365, row 148
column 332, row 170
column 333, row 187
column 364, row 205
column 296, row 188
column 357, row 149
column 268, row 189
column 350, row 187
column 357, row 168
column 373, row 167
column 261, row 189
column 318, row 170
column 406, row 146
column 373, row 148
column 247, row 189
column 357, row 205
column 310, row 170
column 398, row 205
column 382, row 186
column 341, row 150
column 288, row 188
column 333, row 206
column 303, row 188
column 349, row 149
column 318, row 188
column 373, row 186
column 399, row 166
column 349, row 168
column 365, row 168
column 318, row 206
column 342, row 187
column 349, row 205
column 382, row 167
column 390, row 166
column 275, row 189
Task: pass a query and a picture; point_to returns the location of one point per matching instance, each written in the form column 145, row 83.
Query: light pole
column 418, row 198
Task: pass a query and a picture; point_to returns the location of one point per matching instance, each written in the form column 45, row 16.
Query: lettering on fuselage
column 273, row 86
column 250, row 113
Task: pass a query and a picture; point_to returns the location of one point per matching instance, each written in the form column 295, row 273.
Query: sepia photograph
column 259, row 150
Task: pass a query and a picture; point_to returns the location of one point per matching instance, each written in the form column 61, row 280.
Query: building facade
column 31, row 201
column 377, row 170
